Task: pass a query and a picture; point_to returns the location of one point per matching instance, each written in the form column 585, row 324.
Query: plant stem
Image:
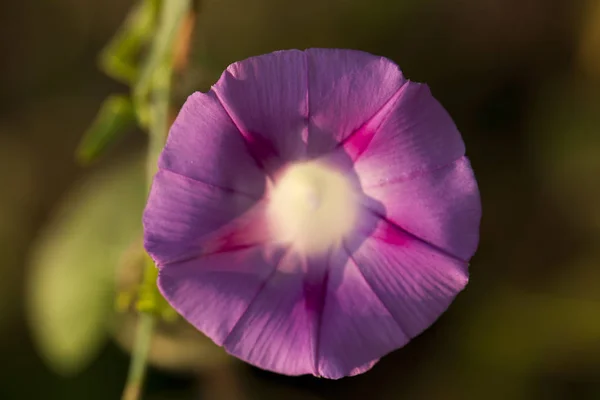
column 139, row 357
column 151, row 98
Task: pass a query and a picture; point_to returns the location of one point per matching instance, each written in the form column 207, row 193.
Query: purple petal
column 413, row 279
column 356, row 326
column 276, row 332
column 441, row 207
column 182, row 216
column 213, row 292
column 272, row 311
column 418, row 135
column 202, row 143
column 251, row 304
column 347, row 89
column 266, row 98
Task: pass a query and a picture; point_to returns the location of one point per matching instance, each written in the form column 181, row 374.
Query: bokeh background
column 521, row 78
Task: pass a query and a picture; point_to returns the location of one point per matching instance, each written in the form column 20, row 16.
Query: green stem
column 151, row 99
column 139, row 357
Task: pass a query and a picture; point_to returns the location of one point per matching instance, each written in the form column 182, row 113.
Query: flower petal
column 255, row 306
column 213, row 292
column 182, row 216
column 276, row 332
column 204, row 145
column 415, row 281
column 346, row 89
column 417, row 136
column 441, row 207
column 356, row 327
column 266, row 98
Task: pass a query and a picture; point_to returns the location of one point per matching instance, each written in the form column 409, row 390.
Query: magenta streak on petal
column 263, row 152
column 228, row 244
column 358, row 141
column 315, row 291
column 250, row 231
column 261, row 149
column 394, row 234
column 247, row 231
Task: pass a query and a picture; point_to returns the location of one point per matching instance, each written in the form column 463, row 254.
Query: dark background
column 521, row 79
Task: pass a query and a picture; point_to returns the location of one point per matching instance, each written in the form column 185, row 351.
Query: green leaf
column 115, row 117
column 119, row 59
column 71, row 285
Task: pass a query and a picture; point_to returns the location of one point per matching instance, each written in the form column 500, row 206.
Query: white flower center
column 312, row 207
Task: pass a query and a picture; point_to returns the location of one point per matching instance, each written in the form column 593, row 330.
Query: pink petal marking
column 182, row 213
column 266, row 97
column 261, row 149
column 358, row 141
column 248, row 230
column 390, row 232
column 418, row 135
column 346, row 88
column 441, row 207
column 414, row 283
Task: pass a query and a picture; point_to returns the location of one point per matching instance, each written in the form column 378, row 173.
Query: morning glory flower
column 313, row 211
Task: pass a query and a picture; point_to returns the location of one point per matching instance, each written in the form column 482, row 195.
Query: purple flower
column 313, row 211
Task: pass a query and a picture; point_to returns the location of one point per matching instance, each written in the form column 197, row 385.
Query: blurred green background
column 521, row 78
